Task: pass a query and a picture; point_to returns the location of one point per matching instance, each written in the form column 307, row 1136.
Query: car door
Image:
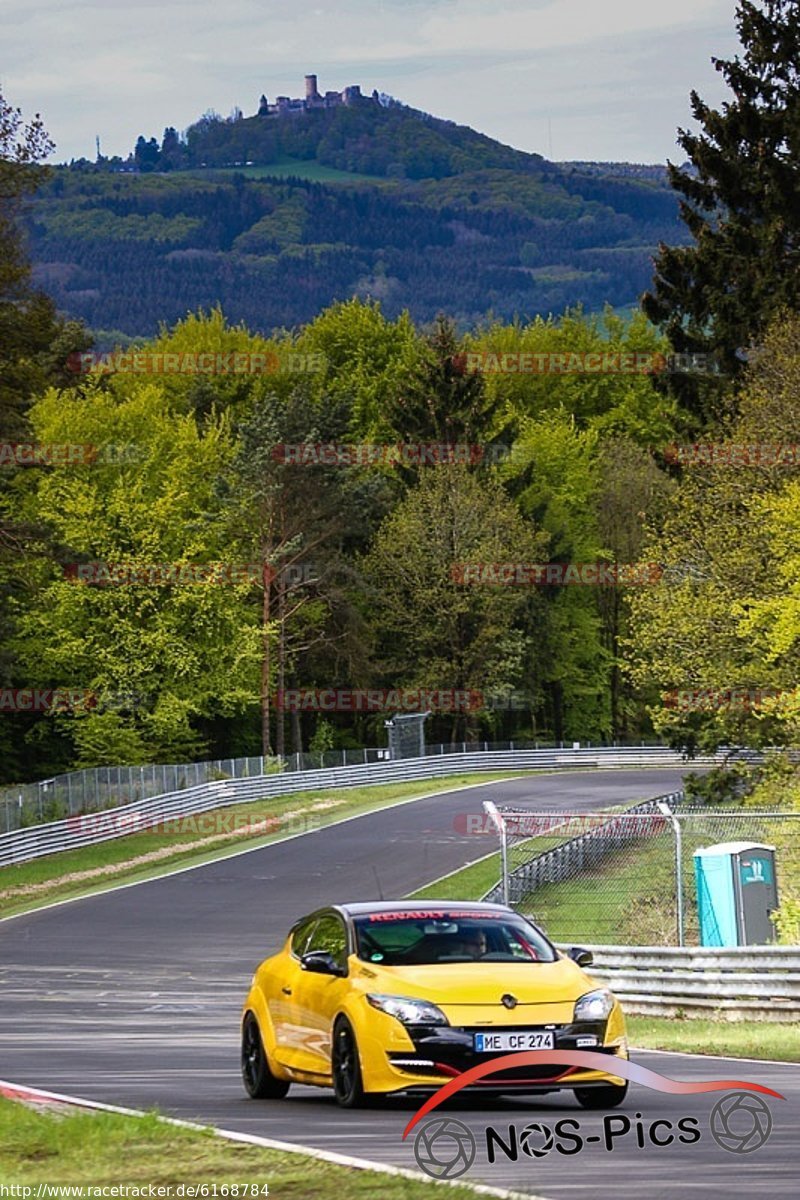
column 316, row 998
column 280, row 995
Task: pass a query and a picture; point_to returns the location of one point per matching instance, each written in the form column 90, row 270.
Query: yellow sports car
column 402, row 997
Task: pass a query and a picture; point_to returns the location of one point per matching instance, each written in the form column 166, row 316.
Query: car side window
column 300, row 937
column 330, row 934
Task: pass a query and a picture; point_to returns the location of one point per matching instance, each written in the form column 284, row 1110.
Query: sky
column 570, row 79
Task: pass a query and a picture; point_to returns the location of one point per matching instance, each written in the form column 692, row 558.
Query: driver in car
column 474, row 942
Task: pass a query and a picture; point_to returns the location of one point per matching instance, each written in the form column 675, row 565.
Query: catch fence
column 97, row 788
column 627, row 877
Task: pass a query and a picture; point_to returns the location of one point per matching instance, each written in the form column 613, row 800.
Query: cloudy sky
column 571, row 79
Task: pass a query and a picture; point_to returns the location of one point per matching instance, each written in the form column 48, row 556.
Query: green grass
column 300, row 168
column 30, row 884
column 634, row 895
column 104, row 1149
column 569, row 910
column 702, row 1035
column 629, row 899
column 470, row 883
column 475, row 880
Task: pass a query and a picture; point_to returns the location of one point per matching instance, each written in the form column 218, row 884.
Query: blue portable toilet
column 736, row 893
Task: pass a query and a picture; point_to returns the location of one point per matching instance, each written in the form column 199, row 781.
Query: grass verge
column 188, row 842
column 702, row 1035
column 76, row 1148
column 475, row 880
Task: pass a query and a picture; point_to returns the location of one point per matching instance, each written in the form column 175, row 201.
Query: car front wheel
column 348, row 1086
column 259, row 1082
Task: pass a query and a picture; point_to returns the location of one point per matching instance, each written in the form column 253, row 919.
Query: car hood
column 480, row 983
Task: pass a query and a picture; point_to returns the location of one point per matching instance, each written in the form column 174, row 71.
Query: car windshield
column 425, row 938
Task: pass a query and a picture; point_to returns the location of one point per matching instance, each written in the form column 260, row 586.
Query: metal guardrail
column 742, row 982
column 98, row 788
column 38, row 840
column 577, row 854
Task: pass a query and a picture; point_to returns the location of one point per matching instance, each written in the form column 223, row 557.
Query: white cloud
column 612, row 80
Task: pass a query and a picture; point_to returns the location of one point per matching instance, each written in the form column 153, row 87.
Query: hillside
column 276, row 217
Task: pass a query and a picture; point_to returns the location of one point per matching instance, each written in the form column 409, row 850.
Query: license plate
column 524, row 1039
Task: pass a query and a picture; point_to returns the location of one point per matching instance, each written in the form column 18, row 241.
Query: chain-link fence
column 629, row 877
column 99, row 788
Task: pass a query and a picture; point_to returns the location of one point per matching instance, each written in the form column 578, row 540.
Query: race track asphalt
column 132, row 997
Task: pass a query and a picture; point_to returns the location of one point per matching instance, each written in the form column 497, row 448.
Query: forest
column 474, row 229
column 343, row 458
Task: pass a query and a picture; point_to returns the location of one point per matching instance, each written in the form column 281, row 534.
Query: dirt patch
column 253, row 829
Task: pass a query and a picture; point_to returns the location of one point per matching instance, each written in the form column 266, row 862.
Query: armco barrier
column 96, row 788
column 578, row 854
column 759, row 983
column 37, row 840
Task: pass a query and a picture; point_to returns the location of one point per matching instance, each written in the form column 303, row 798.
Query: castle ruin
column 313, row 99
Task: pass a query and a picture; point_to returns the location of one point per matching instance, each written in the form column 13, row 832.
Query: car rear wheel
column 606, row 1096
column 348, row 1086
column 259, row 1082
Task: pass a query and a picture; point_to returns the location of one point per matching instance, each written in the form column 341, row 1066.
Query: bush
column 721, row 786
column 787, row 922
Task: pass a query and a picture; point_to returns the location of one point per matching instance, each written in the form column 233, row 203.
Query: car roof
column 362, row 908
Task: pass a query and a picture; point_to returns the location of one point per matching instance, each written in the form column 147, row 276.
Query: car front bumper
column 439, row 1055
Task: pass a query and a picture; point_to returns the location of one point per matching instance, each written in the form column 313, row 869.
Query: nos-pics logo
column 740, row 1122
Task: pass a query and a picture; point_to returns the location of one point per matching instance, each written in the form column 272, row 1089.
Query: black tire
column 348, row 1085
column 605, row 1096
column 259, row 1082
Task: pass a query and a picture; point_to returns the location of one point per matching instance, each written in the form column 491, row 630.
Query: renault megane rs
column 386, row 997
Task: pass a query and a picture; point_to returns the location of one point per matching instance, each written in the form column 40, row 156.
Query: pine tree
column 740, row 201
column 442, row 402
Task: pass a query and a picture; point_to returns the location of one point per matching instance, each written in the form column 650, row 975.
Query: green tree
column 183, row 652
column 616, row 402
column 364, row 358
column 35, row 345
column 721, row 632
column 287, row 516
column 740, row 201
column 554, row 475
column 439, row 401
column 429, row 629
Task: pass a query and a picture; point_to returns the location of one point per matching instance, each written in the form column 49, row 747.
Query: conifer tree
column 740, row 201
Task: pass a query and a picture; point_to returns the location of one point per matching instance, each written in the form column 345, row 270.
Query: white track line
column 343, row 1160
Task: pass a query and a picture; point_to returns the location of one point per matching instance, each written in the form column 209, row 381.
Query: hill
column 277, row 217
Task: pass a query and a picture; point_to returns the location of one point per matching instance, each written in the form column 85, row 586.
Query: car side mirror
column 584, row 958
column 321, row 962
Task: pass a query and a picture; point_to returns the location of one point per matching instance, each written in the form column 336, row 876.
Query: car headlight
column 408, row 1010
column 594, row 1006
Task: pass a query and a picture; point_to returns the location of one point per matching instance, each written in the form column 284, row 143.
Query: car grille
column 449, row 1051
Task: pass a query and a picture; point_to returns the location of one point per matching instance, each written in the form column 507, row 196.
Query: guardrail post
column 676, row 827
